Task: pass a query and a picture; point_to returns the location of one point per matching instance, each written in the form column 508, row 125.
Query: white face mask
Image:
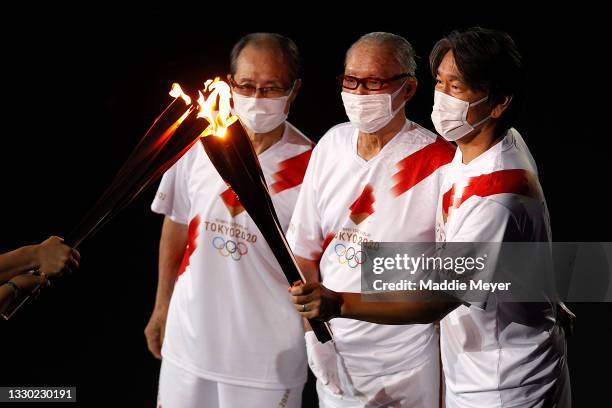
column 371, row 112
column 261, row 115
column 449, row 116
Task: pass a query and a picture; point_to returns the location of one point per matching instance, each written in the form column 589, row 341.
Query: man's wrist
column 346, row 305
column 32, row 257
column 161, row 306
column 341, row 305
column 17, row 290
column 27, row 282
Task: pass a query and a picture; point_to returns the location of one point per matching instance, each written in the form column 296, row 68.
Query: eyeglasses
column 371, row 84
column 267, row 91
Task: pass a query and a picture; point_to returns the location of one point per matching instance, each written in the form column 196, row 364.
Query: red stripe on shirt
column 363, row 203
column 514, row 181
column 328, row 239
column 230, row 198
column 192, row 236
column 291, row 172
column 419, row 165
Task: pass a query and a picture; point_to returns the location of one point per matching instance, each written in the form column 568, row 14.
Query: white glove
column 323, row 361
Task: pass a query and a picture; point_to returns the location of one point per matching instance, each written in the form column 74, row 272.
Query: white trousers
column 414, row 388
column 179, row 388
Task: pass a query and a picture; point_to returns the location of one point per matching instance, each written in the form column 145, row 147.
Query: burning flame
column 218, row 101
column 217, row 124
column 177, row 92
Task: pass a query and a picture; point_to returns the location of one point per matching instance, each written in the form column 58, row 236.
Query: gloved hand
column 323, row 361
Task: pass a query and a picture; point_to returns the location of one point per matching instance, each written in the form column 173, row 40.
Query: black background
column 82, row 86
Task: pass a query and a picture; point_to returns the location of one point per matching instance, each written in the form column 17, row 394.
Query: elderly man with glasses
column 374, row 178
column 230, row 335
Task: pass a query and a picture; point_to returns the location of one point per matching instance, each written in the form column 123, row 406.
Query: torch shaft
column 171, row 134
column 244, row 175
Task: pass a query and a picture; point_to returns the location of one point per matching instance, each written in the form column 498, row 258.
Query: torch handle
column 321, row 330
column 290, row 267
column 6, row 315
column 292, row 270
column 12, row 310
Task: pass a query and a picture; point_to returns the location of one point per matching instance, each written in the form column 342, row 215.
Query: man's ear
column 500, row 108
column 411, row 87
column 229, row 81
column 296, row 89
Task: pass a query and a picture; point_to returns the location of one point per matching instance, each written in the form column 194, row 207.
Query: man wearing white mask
column 375, row 178
column 222, row 324
column 495, row 354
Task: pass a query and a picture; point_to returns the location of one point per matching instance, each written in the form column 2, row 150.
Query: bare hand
column 53, row 257
column 155, row 331
column 315, row 301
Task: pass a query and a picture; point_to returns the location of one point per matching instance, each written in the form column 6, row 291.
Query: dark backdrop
column 80, row 90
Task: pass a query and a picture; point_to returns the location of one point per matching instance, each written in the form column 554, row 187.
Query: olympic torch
column 231, row 152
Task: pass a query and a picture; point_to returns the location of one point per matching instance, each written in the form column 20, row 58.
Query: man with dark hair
column 494, row 353
column 489, row 63
column 231, row 337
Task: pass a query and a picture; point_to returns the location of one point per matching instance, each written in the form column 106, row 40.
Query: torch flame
column 208, row 82
column 215, row 108
column 217, row 124
column 176, row 92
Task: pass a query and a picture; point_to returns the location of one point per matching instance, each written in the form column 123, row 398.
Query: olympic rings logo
column 349, row 256
column 230, row 248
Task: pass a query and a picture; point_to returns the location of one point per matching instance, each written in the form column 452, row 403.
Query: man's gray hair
column 401, row 48
column 284, row 45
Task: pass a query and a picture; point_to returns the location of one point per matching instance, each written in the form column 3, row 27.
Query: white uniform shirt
column 230, row 318
column 346, row 200
column 509, row 354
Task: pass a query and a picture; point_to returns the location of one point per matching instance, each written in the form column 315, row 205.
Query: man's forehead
column 371, row 60
column 261, row 51
column 261, row 63
column 448, row 68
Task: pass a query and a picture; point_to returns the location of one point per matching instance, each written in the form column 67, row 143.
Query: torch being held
column 231, row 152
